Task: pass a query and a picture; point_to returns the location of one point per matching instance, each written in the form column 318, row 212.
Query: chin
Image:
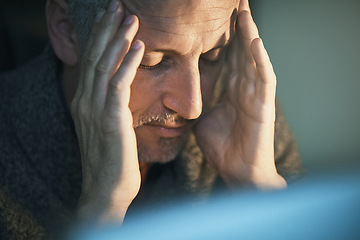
column 164, row 151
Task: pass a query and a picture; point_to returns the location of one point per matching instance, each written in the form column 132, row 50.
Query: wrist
column 99, row 209
column 256, row 179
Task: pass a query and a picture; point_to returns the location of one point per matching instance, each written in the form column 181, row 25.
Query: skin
column 179, row 68
column 142, row 87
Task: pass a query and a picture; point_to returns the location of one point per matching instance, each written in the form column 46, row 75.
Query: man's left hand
column 237, row 137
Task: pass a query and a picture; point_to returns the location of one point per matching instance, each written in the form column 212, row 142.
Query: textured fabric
column 39, row 166
column 40, row 169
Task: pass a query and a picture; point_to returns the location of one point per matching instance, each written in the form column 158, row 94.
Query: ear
column 62, row 32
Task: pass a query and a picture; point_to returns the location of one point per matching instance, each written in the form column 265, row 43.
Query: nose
column 183, row 93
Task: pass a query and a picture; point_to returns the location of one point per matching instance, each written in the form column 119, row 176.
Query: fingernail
column 136, row 45
column 99, row 15
column 113, row 6
column 128, row 20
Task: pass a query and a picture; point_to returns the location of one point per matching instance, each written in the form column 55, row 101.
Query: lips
column 168, row 130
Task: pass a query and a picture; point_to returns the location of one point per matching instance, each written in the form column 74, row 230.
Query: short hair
column 82, row 14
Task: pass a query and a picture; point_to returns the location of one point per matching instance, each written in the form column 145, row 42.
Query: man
column 139, row 87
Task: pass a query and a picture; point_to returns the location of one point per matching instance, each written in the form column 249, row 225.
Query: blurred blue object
column 326, row 207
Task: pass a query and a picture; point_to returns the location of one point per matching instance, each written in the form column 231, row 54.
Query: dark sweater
column 40, row 169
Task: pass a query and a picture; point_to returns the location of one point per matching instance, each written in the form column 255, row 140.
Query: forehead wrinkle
column 208, row 19
column 181, row 33
column 195, row 12
column 173, row 43
column 180, row 19
column 169, row 9
column 163, row 25
column 189, row 17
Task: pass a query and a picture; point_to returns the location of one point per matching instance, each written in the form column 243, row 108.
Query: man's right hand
column 103, row 121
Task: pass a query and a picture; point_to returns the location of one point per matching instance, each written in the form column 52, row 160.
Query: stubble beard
column 167, row 148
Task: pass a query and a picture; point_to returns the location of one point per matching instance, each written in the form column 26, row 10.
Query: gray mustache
column 160, row 118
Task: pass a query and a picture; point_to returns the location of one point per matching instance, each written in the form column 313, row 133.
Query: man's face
column 185, row 45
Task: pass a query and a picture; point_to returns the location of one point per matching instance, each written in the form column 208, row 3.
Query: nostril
column 187, row 106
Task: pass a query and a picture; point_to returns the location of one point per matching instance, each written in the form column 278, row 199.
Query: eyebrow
column 172, row 51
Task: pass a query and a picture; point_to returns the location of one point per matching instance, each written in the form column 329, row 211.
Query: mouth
column 168, row 130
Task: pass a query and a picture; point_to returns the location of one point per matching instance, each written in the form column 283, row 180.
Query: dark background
column 22, row 31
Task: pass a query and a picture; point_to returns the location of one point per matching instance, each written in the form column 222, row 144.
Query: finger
column 244, row 6
column 118, row 96
column 233, row 59
column 82, row 77
column 262, row 60
column 266, row 81
column 112, row 59
column 247, row 32
column 99, row 39
column 232, row 54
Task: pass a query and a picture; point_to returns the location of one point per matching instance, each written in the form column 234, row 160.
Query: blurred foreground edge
column 323, row 207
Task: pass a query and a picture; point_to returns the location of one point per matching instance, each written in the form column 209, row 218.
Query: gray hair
column 82, row 14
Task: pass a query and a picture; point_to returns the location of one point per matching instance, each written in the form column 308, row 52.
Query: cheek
column 143, row 94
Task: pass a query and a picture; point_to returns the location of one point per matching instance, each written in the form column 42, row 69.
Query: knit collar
column 45, row 129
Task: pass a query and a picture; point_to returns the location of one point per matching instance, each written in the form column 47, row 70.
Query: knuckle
column 102, row 68
column 117, row 85
column 123, row 39
column 91, row 58
column 82, row 110
column 126, row 42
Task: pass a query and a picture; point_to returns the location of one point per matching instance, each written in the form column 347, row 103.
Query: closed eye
column 213, row 57
column 152, row 67
column 211, row 61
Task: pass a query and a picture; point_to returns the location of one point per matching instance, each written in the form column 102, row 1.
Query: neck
column 144, row 169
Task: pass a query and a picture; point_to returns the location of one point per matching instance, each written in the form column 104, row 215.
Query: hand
column 237, row 137
column 103, row 121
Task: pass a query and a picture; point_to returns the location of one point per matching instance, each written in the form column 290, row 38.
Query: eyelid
column 213, row 56
column 152, row 58
column 142, row 66
column 160, row 65
column 150, row 62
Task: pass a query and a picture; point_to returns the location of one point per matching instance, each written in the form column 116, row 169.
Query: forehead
column 184, row 17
